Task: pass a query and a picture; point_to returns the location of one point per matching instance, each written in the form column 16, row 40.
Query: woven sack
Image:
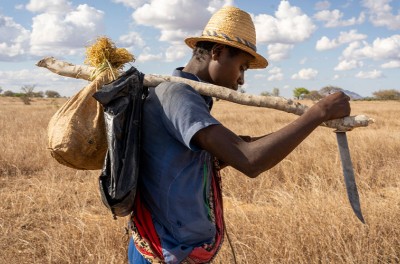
column 76, row 132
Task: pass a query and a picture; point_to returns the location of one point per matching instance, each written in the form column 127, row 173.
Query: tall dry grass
column 297, row 212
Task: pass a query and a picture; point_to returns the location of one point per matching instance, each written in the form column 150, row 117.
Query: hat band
column 212, row 33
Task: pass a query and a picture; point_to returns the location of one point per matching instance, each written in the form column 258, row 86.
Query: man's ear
column 217, row 50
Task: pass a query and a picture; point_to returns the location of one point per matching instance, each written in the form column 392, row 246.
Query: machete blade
column 348, row 173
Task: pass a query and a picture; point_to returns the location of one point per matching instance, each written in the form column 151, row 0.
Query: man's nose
column 241, row 79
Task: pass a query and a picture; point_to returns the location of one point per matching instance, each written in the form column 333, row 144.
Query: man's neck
column 198, row 68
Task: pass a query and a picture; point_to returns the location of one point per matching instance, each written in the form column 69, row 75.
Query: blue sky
column 352, row 44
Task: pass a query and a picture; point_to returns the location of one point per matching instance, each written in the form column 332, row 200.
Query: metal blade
column 348, row 173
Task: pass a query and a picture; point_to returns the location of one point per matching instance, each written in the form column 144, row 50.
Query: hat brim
column 259, row 62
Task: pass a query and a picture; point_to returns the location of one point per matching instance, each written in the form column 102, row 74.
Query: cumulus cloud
column 63, row 32
column 14, row 39
column 53, row 6
column 176, row 52
column 131, row 3
column 275, row 74
column 146, row 55
column 132, row 39
column 386, row 49
column 345, row 37
column 381, row 14
column 321, row 5
column 172, row 18
column 305, row 74
column 289, row 25
column 303, row 60
column 391, row 64
column 278, row 52
column 334, row 18
column 380, row 49
column 345, row 65
column 375, row 74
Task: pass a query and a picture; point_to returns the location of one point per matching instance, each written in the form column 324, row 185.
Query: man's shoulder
column 175, row 89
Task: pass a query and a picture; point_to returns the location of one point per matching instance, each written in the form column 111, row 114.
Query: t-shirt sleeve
column 185, row 111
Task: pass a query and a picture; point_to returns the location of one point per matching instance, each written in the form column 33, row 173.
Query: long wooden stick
column 84, row 72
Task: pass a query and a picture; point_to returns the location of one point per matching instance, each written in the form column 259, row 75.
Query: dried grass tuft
column 103, row 54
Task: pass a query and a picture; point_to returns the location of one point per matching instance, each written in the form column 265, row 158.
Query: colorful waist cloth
column 148, row 243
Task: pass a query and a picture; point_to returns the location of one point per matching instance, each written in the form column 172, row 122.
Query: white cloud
column 278, row 52
column 346, row 65
column 214, row 5
column 380, row 14
column 52, row 6
column 176, row 52
column 14, row 39
column 290, row 25
column 146, row 55
column 19, row 7
column 380, row 49
column 132, row 39
column 321, row 5
column 259, row 76
column 173, row 35
column 131, row 3
column 391, row 64
column 305, row 74
column 276, row 74
column 334, row 18
column 172, row 18
column 336, row 77
column 345, row 37
column 385, row 49
column 303, row 60
column 63, row 33
column 375, row 74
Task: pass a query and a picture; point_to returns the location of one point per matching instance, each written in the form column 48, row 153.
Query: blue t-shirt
column 175, row 174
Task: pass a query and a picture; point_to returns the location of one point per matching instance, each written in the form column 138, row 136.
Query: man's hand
column 333, row 106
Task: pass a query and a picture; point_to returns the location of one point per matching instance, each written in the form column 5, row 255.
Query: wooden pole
column 279, row 103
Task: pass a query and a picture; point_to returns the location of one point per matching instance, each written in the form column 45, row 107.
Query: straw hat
column 233, row 27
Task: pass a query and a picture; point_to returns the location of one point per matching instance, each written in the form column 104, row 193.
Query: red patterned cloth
column 148, row 243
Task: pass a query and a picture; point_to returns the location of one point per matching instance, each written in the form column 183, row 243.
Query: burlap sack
column 76, row 132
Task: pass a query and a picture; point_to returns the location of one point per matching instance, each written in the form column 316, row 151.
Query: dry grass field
column 298, row 212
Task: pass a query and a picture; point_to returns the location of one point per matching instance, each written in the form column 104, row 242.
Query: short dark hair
column 204, row 48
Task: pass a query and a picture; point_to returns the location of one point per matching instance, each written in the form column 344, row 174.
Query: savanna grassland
column 297, row 212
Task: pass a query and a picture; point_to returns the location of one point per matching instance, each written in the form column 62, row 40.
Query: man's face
column 227, row 70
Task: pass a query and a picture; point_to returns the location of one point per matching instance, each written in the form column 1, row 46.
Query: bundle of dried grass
column 76, row 132
column 105, row 55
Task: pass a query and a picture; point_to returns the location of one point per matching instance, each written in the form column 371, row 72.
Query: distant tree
column 52, row 94
column 9, row 93
column 265, row 94
column 1, row 90
column 387, row 94
column 28, row 90
column 39, row 94
column 313, row 95
column 275, row 92
column 300, row 92
column 329, row 90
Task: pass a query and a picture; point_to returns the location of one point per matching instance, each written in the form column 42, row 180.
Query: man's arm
column 252, row 158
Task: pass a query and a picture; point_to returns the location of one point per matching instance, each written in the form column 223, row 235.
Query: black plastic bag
column 122, row 101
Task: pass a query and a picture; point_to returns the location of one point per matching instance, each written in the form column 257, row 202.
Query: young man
column 178, row 213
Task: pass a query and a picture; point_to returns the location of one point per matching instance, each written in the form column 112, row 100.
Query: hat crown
column 232, row 22
column 234, row 27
